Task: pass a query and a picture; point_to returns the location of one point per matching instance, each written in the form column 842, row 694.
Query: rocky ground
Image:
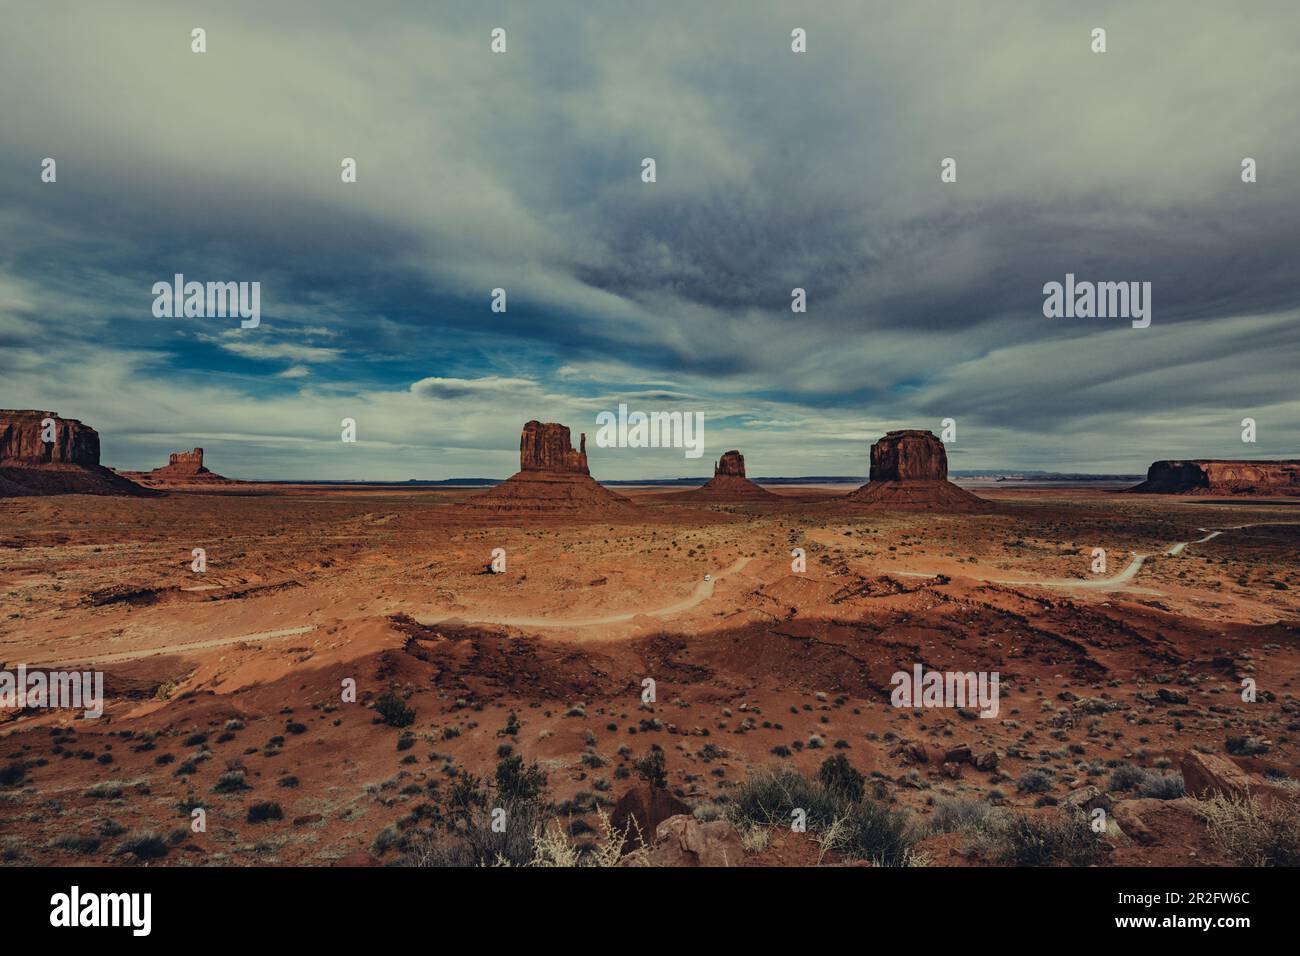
column 228, row 687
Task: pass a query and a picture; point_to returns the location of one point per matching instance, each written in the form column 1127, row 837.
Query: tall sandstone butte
column 182, row 468
column 1222, row 477
column 909, row 470
column 552, row 480
column 30, row 465
column 728, row 483
column 546, row 446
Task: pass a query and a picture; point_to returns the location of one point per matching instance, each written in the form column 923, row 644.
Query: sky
column 522, row 170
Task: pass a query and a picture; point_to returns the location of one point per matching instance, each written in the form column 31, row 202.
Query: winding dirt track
column 703, row 591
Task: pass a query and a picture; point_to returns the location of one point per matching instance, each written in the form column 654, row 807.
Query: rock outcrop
column 639, row 812
column 684, row 841
column 182, row 468
column 728, row 483
column 552, row 481
column 909, row 470
column 67, row 464
column 545, row 446
column 1222, row 477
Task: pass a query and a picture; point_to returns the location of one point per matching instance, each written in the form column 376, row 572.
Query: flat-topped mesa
column 731, row 463
column 1210, row 476
column 909, row 455
column 23, row 444
column 68, row 463
column 909, row 471
column 545, row 446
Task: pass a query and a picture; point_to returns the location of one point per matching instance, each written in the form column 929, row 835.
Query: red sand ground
column 242, row 666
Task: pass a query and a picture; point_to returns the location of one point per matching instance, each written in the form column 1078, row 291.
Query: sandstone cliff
column 1222, row 477
column 67, row 464
column 909, row 471
column 552, row 481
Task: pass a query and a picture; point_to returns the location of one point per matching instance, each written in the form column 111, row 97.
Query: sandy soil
column 242, row 665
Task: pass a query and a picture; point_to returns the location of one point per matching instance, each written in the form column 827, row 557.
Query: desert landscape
column 500, row 644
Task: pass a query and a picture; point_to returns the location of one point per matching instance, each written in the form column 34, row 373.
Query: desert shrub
column 394, row 711
column 146, row 845
column 1162, row 786
column 268, row 810
column 76, row 843
column 515, row 782
column 1019, row 839
column 104, row 790
column 857, row 829
column 652, row 767
column 1126, row 776
column 12, row 774
column 232, row 781
column 1253, row 833
column 1034, row 781
column 953, row 814
column 837, row 774
column 1246, row 746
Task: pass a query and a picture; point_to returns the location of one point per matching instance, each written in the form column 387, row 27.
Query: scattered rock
column 682, row 840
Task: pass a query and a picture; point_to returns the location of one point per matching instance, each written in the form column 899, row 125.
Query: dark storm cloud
column 775, row 171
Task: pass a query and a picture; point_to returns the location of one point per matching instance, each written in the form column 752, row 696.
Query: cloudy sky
column 774, row 170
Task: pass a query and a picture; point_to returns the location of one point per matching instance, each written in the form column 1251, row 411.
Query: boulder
column 684, row 841
column 1206, row 775
column 648, row 806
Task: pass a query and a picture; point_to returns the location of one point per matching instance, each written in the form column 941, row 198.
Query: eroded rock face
column 684, row 841
column 1222, row 477
column 909, row 455
column 731, row 463
column 909, row 472
column 69, row 464
column 545, row 446
column 552, row 481
column 191, row 461
column 22, row 441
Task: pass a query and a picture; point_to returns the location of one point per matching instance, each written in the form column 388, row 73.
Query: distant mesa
column 182, row 468
column 909, row 471
column 552, row 480
column 728, row 483
column 1222, row 477
column 68, row 465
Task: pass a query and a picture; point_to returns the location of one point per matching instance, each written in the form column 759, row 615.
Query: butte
column 552, row 480
column 909, row 471
column 728, row 484
column 182, row 468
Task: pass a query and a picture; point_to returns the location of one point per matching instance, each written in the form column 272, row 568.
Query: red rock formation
column 69, row 464
column 552, row 480
column 182, row 468
column 1222, row 477
column 909, row 470
column 728, row 483
column 546, row 447
column 909, row 455
column 731, row 463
